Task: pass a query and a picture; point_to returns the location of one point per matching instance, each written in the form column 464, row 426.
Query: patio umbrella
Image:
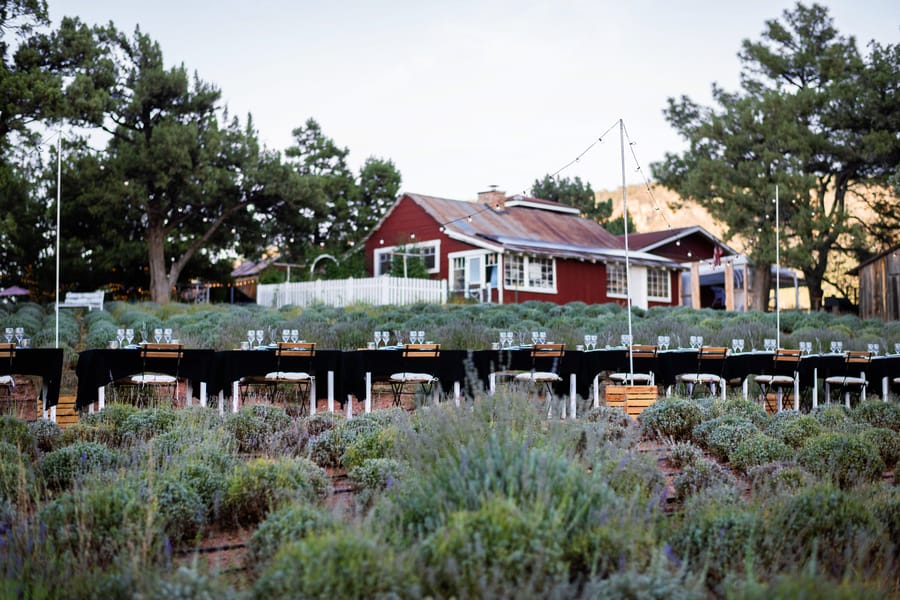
column 14, row 290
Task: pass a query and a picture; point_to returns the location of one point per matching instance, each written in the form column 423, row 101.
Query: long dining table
column 350, row 374
column 99, row 367
column 45, row 363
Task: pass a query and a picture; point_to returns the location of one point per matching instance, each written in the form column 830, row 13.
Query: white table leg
column 203, row 393
column 331, row 391
column 797, row 392
column 596, row 388
column 101, row 398
column 312, row 396
column 221, row 402
column 188, row 393
column 885, row 388
column 815, row 394
column 349, row 406
column 368, row 401
column 235, row 396
column 745, row 387
column 456, row 393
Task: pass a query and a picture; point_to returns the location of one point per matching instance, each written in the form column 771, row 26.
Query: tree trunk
column 761, row 285
column 156, row 254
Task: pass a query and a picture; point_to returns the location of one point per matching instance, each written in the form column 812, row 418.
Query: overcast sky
column 465, row 94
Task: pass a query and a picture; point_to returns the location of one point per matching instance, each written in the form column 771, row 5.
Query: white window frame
column 466, row 256
column 624, row 281
column 529, row 264
column 666, row 276
column 431, row 244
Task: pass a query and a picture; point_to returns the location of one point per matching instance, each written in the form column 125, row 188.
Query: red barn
column 514, row 249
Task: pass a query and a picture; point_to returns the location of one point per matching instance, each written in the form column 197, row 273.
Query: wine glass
column 413, row 336
column 587, row 341
column 769, row 344
column 9, row 334
column 593, row 341
column 20, row 333
column 167, row 335
column 295, row 335
column 741, row 344
column 260, row 336
column 542, row 336
column 251, row 336
column 285, row 335
column 735, row 344
column 120, row 336
column 535, row 337
column 157, row 334
column 840, row 346
column 873, row 348
column 625, row 340
column 420, row 336
column 896, row 347
column 129, row 335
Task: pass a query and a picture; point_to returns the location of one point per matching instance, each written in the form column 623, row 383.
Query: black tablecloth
column 449, row 366
column 43, row 362
column 232, row 365
column 97, row 368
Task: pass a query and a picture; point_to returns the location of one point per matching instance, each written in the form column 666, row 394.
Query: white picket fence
column 343, row 292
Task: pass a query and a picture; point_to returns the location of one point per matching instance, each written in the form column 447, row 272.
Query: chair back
column 168, row 351
column 305, row 349
column 7, row 354
column 787, row 361
column 858, row 357
column 421, row 350
column 641, row 351
column 548, row 350
column 153, row 353
column 711, row 359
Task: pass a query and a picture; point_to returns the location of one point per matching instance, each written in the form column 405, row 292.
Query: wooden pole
column 695, row 284
column 729, row 285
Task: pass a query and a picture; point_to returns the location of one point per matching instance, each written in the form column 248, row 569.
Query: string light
column 646, row 182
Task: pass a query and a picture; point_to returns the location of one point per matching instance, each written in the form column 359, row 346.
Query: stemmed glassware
column 896, row 347
column 157, row 334
column 663, row 341
column 873, row 348
column 251, row 337
column 9, row 335
column 542, row 336
column 260, row 336
column 20, row 333
column 625, row 340
column 129, row 335
column 167, row 335
column 805, row 347
column 285, row 335
column 769, row 344
column 535, row 337
column 696, row 341
column 295, row 335
column 120, row 336
column 836, row 347
column 736, row 344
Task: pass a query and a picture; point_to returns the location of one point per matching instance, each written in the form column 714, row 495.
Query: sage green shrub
column 724, row 439
column 778, row 478
column 182, row 512
column 367, row 445
column 375, row 475
column 496, row 547
column 47, row 434
column 670, row 417
column 701, row 433
column 886, row 441
column 878, row 414
column 831, row 416
column 148, row 422
column 759, row 449
column 824, row 525
column 718, row 539
column 16, row 432
column 254, row 426
column 287, row 524
column 16, row 475
column 62, row 467
column 793, row 428
column 700, row 476
column 845, row 459
column 683, row 454
column 261, row 485
column 629, row 472
column 336, row 564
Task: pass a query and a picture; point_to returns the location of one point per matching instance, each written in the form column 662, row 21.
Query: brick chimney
column 495, row 198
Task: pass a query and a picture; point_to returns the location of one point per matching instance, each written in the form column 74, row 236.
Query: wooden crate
column 633, row 399
column 66, row 415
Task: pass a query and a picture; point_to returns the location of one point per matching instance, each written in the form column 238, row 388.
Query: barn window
column 616, row 280
column 530, row 273
column 659, row 285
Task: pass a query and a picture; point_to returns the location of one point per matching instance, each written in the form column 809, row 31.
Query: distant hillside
column 643, row 209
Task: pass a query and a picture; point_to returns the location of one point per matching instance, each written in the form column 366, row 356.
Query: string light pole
column 627, row 263
column 58, row 223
